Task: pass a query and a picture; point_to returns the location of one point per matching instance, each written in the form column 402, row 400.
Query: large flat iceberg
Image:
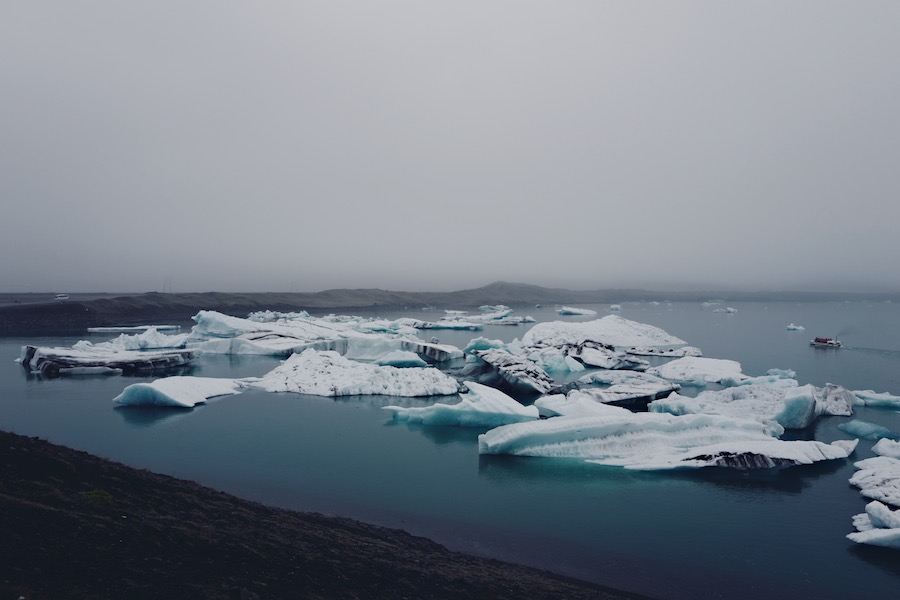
column 330, row 374
column 653, row 441
column 695, row 370
column 482, row 406
column 878, row 478
column 611, row 329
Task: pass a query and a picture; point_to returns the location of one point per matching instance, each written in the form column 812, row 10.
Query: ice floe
column 89, row 359
column 625, row 387
column 180, row 392
column 695, row 370
column 878, row 526
column 653, row 441
column 330, row 374
column 573, row 311
column 877, row 399
column 866, row 430
column 482, row 406
column 612, row 330
column 497, row 365
column 792, row 327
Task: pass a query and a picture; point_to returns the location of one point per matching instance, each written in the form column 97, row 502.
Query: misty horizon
column 426, row 146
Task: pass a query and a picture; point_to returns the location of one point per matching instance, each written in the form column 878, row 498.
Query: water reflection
column 146, row 416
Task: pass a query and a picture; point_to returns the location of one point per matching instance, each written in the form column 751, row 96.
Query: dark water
column 706, row 534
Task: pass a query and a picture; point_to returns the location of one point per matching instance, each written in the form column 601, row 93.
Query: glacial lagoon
column 711, row 533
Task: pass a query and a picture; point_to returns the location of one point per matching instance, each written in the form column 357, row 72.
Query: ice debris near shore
column 482, row 406
column 180, row 392
column 330, row 374
column 878, row 479
column 654, row 441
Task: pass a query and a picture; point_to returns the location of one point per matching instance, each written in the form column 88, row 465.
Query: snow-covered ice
column 181, row 392
column 653, row 441
column 482, row 406
column 90, row 359
column 878, row 399
column 626, row 386
column 330, row 374
column 878, row 526
column 695, row 370
column 878, row 478
column 792, row 327
column 613, row 330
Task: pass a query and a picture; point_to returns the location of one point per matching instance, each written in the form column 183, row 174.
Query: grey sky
column 415, row 145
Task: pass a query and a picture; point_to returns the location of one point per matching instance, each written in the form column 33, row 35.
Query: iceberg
column 89, row 359
column 694, row 370
column 149, row 339
column 482, row 343
column 330, row 374
column 878, row 478
column 792, row 327
column 625, row 387
column 482, row 406
column 878, row 399
column 133, row 328
column 780, row 401
column 400, row 358
column 611, row 330
column 878, row 526
column 602, row 356
column 180, row 392
column 516, row 371
column 653, row 441
column 667, row 353
column 575, row 404
column 449, row 324
column 866, row 430
column 615, row 307
column 572, row 311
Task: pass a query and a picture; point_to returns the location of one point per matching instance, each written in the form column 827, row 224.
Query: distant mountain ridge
column 74, row 315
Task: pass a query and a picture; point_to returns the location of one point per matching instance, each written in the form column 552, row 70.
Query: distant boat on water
column 824, row 342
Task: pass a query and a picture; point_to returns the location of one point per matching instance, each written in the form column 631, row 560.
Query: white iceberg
column 180, row 392
column 653, row 441
column 612, row 330
column 400, row 358
column 878, row 526
column 482, row 406
column 792, row 327
column 601, row 356
column 695, row 370
column 667, row 352
column 148, row 339
column 878, row 478
column 574, row 404
column 330, row 374
column 572, row 311
column 615, row 307
column 878, row 399
column 442, row 324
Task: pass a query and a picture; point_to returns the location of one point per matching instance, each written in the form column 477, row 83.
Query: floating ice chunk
column 595, row 354
column 267, row 343
column 760, row 402
column 442, row 324
column 148, row 339
column 436, row 352
column 728, row 309
column 878, row 478
column 878, row 526
column 693, row 369
column 89, row 359
column 574, row 404
column 482, row 343
column 611, row 329
column 879, row 399
column 887, row 447
column 181, row 392
column 625, row 387
column 655, row 441
column 330, row 374
column 792, row 327
column 516, row 371
column 869, row 431
column 401, row 358
column 482, row 406
column 572, row 311
column 554, row 360
column 133, row 328
column 835, row 400
column 615, row 307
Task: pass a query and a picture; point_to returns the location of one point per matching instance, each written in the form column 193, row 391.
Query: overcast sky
column 419, row 145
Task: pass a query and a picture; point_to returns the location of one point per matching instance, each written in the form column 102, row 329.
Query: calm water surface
column 706, row 534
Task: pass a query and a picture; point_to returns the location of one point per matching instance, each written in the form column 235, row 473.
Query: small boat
column 824, row 342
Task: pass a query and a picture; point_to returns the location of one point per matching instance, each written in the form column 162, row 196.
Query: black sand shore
column 77, row 526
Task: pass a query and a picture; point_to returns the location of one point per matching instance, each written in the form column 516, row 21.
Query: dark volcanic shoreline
column 21, row 315
column 78, row 526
